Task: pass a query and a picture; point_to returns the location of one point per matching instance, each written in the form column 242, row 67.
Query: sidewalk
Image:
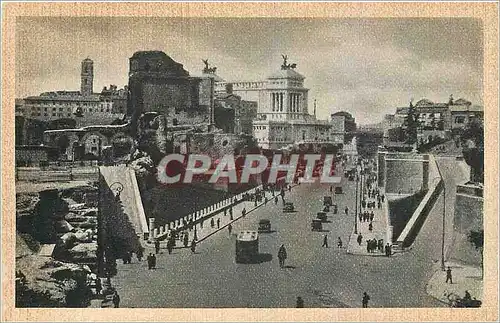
column 204, row 229
column 380, row 230
column 464, row 278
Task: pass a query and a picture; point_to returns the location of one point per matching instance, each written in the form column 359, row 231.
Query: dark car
column 264, row 225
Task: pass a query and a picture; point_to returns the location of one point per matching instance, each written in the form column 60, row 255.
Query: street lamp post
column 440, row 178
column 356, row 207
column 444, row 217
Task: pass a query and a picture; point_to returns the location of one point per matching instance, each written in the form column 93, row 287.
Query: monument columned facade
column 283, row 117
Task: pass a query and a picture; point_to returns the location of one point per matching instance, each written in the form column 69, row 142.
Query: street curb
column 434, row 271
column 150, row 245
column 236, row 219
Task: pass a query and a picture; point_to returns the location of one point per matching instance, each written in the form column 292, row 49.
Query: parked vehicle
column 264, row 225
column 321, row 216
column 316, row 225
column 288, row 207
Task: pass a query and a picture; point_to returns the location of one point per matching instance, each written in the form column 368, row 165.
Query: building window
column 460, row 119
column 90, row 110
column 60, row 109
column 53, row 109
column 69, row 114
column 45, row 109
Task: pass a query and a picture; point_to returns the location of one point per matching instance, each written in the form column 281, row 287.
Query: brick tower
column 87, row 77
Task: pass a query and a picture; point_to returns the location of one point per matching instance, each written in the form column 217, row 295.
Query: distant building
column 436, row 119
column 283, row 118
column 244, row 112
column 462, row 112
column 85, row 106
column 159, row 84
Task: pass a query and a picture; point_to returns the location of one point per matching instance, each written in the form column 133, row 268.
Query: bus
column 247, row 246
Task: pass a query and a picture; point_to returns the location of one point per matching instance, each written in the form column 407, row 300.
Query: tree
column 473, row 140
column 411, row 125
column 476, row 238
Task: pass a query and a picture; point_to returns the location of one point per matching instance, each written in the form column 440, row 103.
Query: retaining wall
column 435, row 184
column 468, row 216
column 403, row 176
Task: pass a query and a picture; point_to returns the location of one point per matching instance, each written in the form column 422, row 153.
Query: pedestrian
column 170, row 245
column 153, row 261
column 363, row 203
column 346, row 210
column 387, row 250
column 244, row 212
column 231, row 213
column 368, row 246
column 150, row 260
column 218, row 223
column 339, row 243
column 186, row 240
column 360, row 239
column 383, row 197
column 379, row 205
column 116, row 299
column 289, row 188
column 201, row 223
column 212, row 223
column 282, row 255
column 300, row 302
column 255, row 203
column 370, row 226
column 448, row 275
column 380, row 245
column 140, row 253
column 229, row 228
column 275, row 200
column 366, row 298
column 98, row 286
column 331, row 188
column 325, row 241
column 335, row 209
column 157, row 246
column 193, row 246
column 372, row 216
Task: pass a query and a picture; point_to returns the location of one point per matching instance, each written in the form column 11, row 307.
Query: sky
column 367, row 67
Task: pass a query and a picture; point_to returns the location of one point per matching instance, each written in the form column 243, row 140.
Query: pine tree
column 411, row 125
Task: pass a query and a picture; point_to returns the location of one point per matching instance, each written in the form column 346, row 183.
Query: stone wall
column 403, row 176
column 468, row 216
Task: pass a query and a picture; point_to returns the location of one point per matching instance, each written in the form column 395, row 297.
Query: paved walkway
column 380, row 229
column 221, row 220
column 464, row 278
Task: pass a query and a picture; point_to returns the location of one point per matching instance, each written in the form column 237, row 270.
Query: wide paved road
column 322, row 277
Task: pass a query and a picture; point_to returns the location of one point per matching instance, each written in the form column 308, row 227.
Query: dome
column 286, row 74
column 424, row 102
